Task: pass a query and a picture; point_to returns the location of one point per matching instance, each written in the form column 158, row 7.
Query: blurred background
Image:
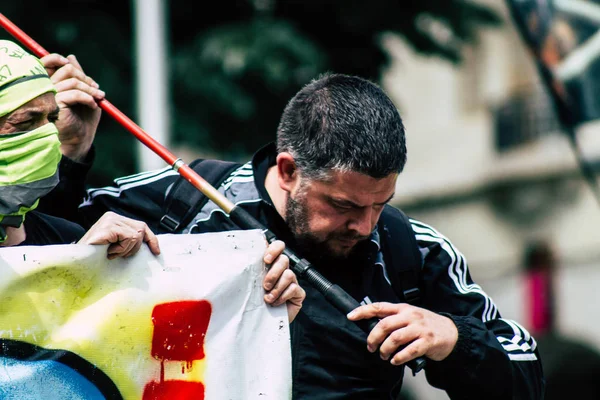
column 499, row 100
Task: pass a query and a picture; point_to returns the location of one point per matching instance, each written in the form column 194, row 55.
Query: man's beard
column 310, row 245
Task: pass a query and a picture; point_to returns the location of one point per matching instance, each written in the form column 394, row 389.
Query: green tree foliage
column 234, row 65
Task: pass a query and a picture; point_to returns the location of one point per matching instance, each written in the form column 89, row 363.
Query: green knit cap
column 22, row 77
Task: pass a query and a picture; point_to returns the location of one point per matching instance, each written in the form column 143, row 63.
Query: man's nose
column 362, row 221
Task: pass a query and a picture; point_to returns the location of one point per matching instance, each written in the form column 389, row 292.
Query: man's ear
column 287, row 172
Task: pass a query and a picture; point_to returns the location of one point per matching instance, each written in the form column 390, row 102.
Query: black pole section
column 339, row 298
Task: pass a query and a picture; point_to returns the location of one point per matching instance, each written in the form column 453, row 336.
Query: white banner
column 188, row 324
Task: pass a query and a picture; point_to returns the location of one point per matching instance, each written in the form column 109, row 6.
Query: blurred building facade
column 489, row 167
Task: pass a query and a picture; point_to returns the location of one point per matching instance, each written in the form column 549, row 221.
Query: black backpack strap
column 401, row 254
column 184, row 201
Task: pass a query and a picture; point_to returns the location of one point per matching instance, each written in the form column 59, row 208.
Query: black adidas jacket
column 494, row 358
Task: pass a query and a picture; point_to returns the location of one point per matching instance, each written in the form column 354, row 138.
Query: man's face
column 329, row 218
column 31, row 115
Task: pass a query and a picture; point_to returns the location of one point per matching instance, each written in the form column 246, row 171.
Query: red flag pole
column 176, row 163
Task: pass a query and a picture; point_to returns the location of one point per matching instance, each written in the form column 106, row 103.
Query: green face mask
column 28, row 171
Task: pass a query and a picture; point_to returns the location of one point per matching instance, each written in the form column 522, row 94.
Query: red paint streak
column 179, row 332
column 174, row 390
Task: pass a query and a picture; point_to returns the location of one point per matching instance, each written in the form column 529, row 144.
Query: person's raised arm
column 77, row 96
column 78, row 118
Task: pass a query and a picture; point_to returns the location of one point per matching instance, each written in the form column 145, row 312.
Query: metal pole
column 151, row 77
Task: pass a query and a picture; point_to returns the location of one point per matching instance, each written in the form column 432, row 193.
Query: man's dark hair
column 344, row 123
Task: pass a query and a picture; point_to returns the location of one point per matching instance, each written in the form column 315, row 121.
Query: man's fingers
column 421, row 331
column 117, row 249
column 138, row 233
column 52, row 62
column 72, row 71
column 384, row 328
column 66, row 72
column 77, row 84
column 60, row 69
column 293, row 293
column 286, row 279
column 75, row 97
column 116, row 232
column 124, row 235
column 280, row 282
column 136, row 244
column 151, row 240
column 74, row 61
column 273, row 251
column 96, row 236
column 410, row 352
column 128, row 240
column 132, row 240
column 396, row 339
column 277, row 268
column 380, row 310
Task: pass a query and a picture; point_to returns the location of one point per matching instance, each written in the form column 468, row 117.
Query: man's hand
column 280, row 283
column 424, row 332
column 76, row 98
column 125, row 235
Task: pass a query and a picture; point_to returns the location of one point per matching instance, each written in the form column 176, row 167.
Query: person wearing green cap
column 30, row 152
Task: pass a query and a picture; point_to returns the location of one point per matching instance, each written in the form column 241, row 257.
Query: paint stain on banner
column 179, row 331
